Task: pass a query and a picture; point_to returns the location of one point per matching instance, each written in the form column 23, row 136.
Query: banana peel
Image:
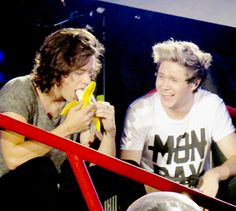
column 86, row 97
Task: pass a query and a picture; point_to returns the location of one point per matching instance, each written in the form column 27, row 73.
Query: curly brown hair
column 64, row 51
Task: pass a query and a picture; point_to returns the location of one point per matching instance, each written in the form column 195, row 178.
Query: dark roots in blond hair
column 185, row 53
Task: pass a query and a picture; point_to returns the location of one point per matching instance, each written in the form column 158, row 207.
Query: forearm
column 39, row 149
column 64, row 130
column 17, row 150
column 209, row 183
column 27, row 151
column 36, row 148
column 134, row 155
column 227, row 169
column 108, row 144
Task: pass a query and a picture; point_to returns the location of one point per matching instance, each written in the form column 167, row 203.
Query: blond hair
column 185, row 53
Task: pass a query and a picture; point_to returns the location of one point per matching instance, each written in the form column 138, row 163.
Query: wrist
column 221, row 172
column 62, row 130
column 111, row 133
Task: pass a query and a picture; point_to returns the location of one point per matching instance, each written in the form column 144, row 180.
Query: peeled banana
column 87, row 97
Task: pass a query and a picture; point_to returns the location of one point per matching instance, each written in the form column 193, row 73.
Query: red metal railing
column 78, row 153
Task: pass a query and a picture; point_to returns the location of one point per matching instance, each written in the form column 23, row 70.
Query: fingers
column 106, row 113
column 79, row 106
column 84, row 117
column 104, row 110
column 80, row 119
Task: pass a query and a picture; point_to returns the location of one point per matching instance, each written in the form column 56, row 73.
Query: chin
column 167, row 104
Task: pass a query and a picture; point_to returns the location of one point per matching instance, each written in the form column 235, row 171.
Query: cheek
column 71, row 80
column 65, row 80
column 184, row 92
column 157, row 84
column 66, row 85
column 77, row 79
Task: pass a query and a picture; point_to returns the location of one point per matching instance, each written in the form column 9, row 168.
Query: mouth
column 167, row 96
column 79, row 94
column 86, row 94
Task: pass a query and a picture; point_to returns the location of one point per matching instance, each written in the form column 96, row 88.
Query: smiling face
column 78, row 79
column 175, row 93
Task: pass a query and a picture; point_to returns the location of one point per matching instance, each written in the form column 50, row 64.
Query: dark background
column 128, row 35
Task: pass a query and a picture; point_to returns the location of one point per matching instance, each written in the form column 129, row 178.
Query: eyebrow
column 173, row 77
column 81, row 69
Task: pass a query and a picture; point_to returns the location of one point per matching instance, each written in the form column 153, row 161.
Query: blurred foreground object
column 164, row 201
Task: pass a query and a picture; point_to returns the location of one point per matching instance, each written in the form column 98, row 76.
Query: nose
column 164, row 83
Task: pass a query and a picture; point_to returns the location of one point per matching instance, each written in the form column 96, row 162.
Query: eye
column 174, row 80
column 79, row 72
column 160, row 76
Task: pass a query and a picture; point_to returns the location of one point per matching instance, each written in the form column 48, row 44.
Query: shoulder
column 144, row 102
column 18, row 82
column 18, row 96
column 18, row 87
column 207, row 98
column 210, row 106
column 142, row 108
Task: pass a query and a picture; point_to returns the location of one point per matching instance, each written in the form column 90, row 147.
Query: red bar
column 110, row 163
column 85, row 182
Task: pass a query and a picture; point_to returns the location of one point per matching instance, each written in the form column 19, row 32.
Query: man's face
column 78, row 79
column 171, row 84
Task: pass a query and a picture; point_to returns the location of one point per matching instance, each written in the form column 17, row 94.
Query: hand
column 87, row 137
column 106, row 113
column 209, row 183
column 78, row 119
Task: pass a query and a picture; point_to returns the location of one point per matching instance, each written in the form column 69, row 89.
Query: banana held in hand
column 87, row 97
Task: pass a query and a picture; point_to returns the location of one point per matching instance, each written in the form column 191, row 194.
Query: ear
column 195, row 84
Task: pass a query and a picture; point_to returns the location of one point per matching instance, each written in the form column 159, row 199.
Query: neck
column 50, row 102
column 180, row 112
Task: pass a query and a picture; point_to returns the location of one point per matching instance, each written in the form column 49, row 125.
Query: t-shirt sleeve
column 13, row 98
column 222, row 125
column 135, row 129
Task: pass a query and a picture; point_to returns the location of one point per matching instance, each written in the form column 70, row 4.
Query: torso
column 174, row 148
column 19, row 96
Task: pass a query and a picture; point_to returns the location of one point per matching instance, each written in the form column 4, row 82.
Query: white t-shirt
column 175, row 149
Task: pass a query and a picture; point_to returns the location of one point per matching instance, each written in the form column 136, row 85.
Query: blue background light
column 2, row 56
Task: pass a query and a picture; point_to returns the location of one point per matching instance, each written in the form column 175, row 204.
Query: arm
column 210, row 180
column 106, row 113
column 131, row 155
column 134, row 134
column 133, row 137
column 135, row 155
column 17, row 151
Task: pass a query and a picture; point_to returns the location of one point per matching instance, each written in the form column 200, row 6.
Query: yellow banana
column 86, row 98
column 66, row 109
column 87, row 94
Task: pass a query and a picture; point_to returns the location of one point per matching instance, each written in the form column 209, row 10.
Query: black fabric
column 227, row 188
column 107, row 184
column 132, row 162
column 35, row 186
column 31, row 186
